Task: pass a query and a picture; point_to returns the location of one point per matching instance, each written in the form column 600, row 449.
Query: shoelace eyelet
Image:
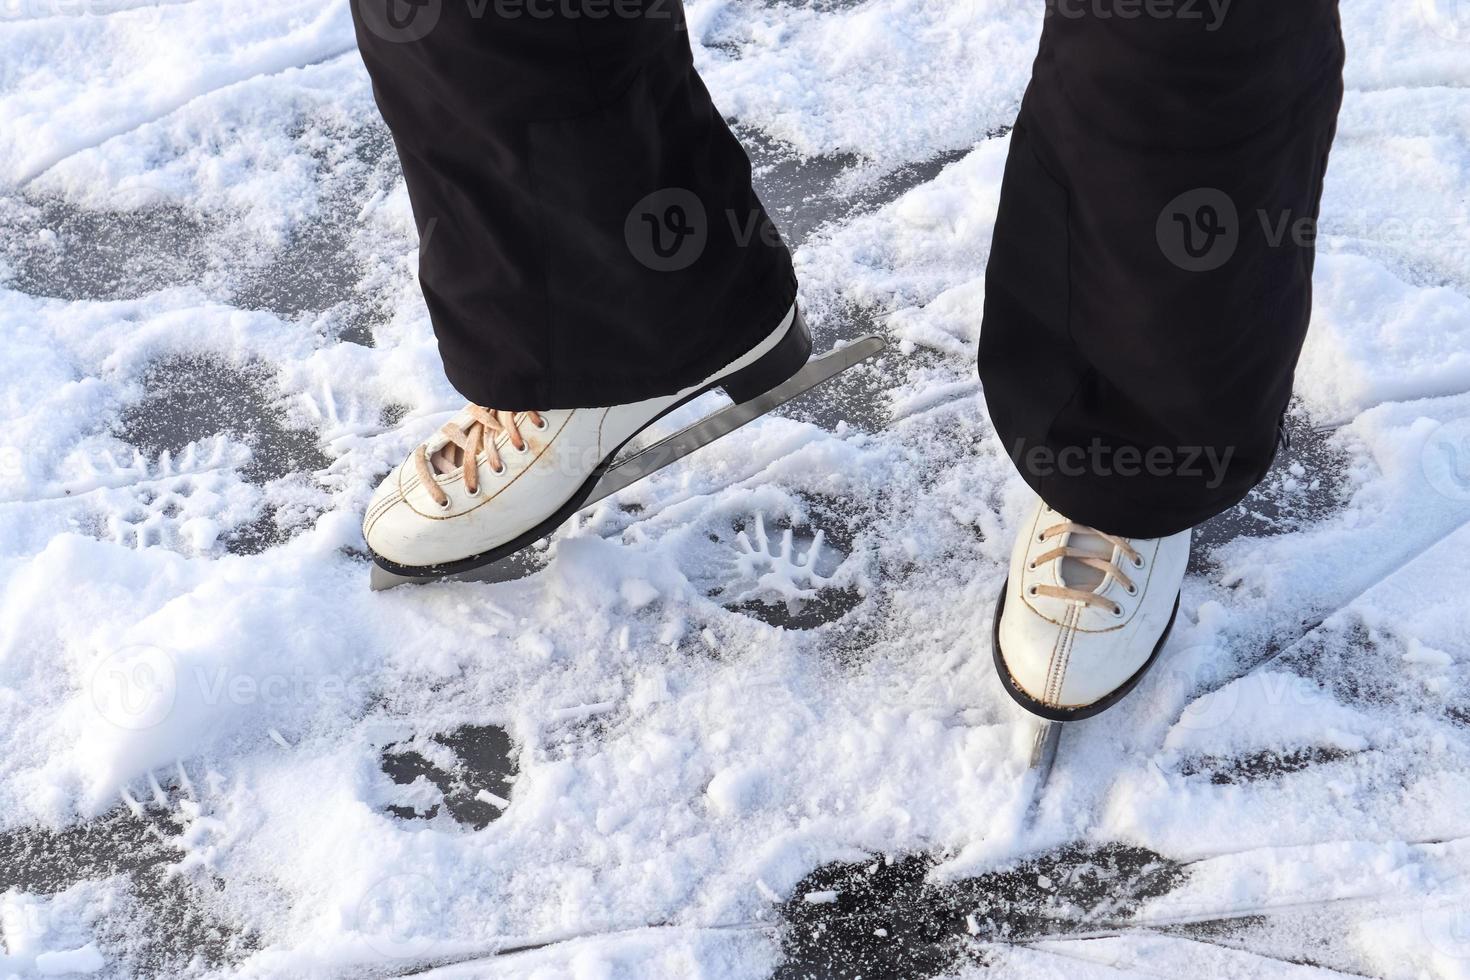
column 1032, row 591
column 1132, row 590
column 541, row 426
column 1117, row 611
column 1138, row 562
column 447, row 504
column 498, row 470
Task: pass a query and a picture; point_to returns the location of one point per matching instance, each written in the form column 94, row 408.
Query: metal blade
column 671, row 449
column 1044, row 750
column 655, row 457
column 525, row 562
column 1045, row 742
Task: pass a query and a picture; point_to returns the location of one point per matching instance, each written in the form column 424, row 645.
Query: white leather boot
column 491, row 482
column 1083, row 614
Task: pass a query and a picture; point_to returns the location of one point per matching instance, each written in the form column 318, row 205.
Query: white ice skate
column 489, row 483
column 1083, row 614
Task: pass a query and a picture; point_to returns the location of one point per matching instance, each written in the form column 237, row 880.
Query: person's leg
column 592, row 255
column 1147, row 296
column 1148, row 287
column 589, row 231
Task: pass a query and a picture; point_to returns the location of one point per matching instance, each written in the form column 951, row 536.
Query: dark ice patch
column 884, row 919
column 1286, row 500
column 1259, row 766
column 188, row 399
column 484, row 762
column 55, row 248
column 804, row 193
column 164, row 924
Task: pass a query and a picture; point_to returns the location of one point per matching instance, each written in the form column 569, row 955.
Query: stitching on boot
column 1066, row 661
column 1064, row 636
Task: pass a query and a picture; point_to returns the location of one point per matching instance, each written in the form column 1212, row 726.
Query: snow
column 84, row 960
column 41, row 933
column 1376, row 338
column 736, row 790
column 850, row 80
column 489, row 797
column 766, row 659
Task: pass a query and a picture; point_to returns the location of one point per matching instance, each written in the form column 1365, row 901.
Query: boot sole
column 772, row 368
column 1052, row 712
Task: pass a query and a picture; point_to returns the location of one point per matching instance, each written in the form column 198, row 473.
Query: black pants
column 590, row 235
column 588, row 231
column 1150, row 278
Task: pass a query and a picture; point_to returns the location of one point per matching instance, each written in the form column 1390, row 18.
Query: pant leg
column 589, row 234
column 1149, row 284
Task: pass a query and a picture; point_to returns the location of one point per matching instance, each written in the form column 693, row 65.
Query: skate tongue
column 447, row 459
column 1075, row 574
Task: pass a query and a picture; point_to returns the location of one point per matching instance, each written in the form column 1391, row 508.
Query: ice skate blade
column 655, row 457
column 514, row 566
column 1044, row 747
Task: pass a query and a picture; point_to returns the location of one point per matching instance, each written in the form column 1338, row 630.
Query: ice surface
column 759, row 675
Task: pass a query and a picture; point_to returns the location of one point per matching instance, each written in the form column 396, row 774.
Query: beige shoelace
column 1089, row 559
column 470, row 441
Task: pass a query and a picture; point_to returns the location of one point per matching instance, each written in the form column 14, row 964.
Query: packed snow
column 221, row 755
